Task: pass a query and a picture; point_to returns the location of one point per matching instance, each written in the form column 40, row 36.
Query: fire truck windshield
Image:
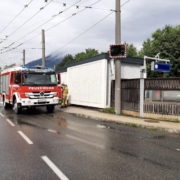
column 39, row 79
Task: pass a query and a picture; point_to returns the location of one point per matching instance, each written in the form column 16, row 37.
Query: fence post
column 141, row 97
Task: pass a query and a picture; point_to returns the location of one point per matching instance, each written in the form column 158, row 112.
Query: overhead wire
column 78, row 35
column 36, row 23
column 43, row 24
column 25, row 6
column 49, row 28
column 30, row 18
column 82, row 6
column 73, row 15
column 84, row 32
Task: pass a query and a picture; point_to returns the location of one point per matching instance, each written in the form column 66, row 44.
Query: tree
column 87, row 54
column 66, row 60
column 131, row 50
column 79, row 56
column 165, row 41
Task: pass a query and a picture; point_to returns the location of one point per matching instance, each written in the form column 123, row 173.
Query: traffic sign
column 163, row 67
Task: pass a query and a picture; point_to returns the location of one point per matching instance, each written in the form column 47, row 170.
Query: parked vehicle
column 26, row 87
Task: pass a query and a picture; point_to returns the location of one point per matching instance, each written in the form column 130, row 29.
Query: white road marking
column 177, row 149
column 1, row 102
column 54, row 168
column 25, row 137
column 1, row 114
column 11, row 123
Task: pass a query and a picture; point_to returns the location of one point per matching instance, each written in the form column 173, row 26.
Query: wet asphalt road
column 63, row 146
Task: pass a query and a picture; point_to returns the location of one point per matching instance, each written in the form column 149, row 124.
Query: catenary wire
column 82, row 6
column 25, row 6
column 75, row 37
column 30, row 19
column 84, row 32
column 59, row 23
column 47, row 29
column 43, row 24
column 72, row 15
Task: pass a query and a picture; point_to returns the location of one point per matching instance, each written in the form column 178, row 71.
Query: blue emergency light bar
column 38, row 67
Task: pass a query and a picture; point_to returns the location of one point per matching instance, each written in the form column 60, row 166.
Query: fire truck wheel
column 16, row 108
column 50, row 108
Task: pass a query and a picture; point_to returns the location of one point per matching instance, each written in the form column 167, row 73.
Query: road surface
column 37, row 145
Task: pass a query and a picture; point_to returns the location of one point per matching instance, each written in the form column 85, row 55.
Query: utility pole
column 118, row 61
column 23, row 57
column 43, row 49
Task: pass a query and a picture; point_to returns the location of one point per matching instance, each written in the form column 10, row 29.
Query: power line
column 47, row 29
column 43, row 23
column 25, row 6
column 37, row 23
column 72, row 15
column 84, row 32
column 29, row 19
column 77, row 7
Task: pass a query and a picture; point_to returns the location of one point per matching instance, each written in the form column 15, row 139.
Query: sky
column 71, row 27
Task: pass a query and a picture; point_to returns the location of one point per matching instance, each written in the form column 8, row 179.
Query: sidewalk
column 132, row 121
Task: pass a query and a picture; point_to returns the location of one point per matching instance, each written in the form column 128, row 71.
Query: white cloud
column 140, row 18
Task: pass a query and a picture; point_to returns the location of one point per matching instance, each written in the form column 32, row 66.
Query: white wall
column 64, row 77
column 88, row 84
column 129, row 71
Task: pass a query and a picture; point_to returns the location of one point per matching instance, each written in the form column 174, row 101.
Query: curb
column 150, row 127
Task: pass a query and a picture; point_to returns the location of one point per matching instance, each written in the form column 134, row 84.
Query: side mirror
column 17, row 78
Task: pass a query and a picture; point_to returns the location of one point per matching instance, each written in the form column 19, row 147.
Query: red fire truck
column 26, row 87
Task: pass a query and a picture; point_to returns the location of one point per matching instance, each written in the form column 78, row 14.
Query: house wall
column 64, row 78
column 129, row 71
column 88, row 84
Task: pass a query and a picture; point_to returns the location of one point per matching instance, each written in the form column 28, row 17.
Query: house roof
column 131, row 60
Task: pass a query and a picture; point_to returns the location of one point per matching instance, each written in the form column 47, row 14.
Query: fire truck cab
column 26, row 87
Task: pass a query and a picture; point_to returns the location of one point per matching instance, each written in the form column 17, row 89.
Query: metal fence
column 168, row 90
column 162, row 84
column 130, row 95
column 164, row 109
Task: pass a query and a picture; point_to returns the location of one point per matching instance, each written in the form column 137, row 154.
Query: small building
column 90, row 80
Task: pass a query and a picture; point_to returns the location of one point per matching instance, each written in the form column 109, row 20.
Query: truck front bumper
column 38, row 102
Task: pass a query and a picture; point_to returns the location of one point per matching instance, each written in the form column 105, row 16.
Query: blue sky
column 139, row 19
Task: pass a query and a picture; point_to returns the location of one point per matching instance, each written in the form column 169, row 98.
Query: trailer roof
column 130, row 60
